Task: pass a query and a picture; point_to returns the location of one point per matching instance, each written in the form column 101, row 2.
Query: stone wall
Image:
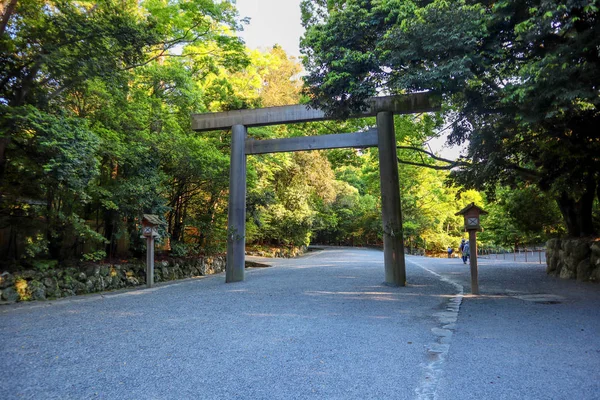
column 574, row 258
column 59, row 282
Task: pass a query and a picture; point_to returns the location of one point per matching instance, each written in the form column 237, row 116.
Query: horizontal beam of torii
column 405, row 104
column 383, row 137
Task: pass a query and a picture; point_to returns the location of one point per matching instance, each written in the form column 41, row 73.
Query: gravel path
column 322, row 326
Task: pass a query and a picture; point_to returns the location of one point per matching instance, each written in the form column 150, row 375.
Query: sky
column 272, row 22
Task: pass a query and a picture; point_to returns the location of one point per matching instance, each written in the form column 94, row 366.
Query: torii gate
column 383, row 137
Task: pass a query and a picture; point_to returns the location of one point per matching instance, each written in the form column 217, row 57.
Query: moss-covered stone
column 584, row 270
column 6, row 280
column 131, row 281
column 574, row 258
column 595, row 256
column 37, row 290
column 10, row 294
column 28, row 274
column 53, row 292
column 79, row 287
column 566, row 273
column 580, row 250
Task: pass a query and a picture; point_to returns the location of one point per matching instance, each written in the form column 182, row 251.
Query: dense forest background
column 95, row 105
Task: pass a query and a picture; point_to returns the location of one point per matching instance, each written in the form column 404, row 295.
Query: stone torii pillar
column 391, row 213
column 236, row 215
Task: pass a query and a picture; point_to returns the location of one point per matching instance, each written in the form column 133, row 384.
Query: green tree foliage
column 50, row 179
column 270, row 79
column 520, row 76
column 95, row 99
column 284, row 200
column 521, row 217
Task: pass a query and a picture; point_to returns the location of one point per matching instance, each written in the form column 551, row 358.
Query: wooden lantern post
column 471, row 214
column 150, row 225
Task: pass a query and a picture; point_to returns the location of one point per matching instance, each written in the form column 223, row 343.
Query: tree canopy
column 95, row 98
column 520, row 80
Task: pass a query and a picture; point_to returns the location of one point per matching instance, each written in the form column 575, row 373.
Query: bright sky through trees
column 272, row 22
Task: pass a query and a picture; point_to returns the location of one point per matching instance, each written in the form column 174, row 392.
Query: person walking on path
column 450, row 252
column 466, row 252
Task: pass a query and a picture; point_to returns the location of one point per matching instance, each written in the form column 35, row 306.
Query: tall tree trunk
column 6, row 12
column 109, row 232
column 52, row 227
column 135, row 242
column 12, row 249
column 586, row 221
column 177, row 233
column 577, row 214
column 3, row 145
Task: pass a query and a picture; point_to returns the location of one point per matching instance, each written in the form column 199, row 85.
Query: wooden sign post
column 471, row 214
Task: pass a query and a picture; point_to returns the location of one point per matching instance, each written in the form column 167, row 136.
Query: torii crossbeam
column 383, row 137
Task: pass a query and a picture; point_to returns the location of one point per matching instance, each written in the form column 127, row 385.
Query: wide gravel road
column 322, row 326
